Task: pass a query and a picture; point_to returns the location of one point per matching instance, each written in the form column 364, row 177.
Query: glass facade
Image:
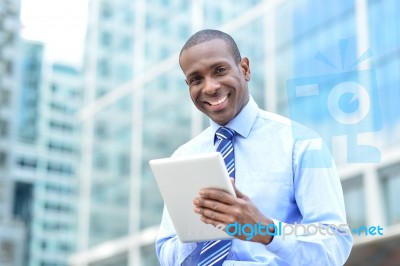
column 31, row 82
column 46, row 164
column 12, row 232
column 354, row 193
column 390, row 183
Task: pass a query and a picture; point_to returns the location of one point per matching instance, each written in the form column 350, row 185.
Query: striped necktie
column 214, row 252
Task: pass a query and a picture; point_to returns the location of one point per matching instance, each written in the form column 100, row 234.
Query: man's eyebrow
column 194, row 73
column 214, row 65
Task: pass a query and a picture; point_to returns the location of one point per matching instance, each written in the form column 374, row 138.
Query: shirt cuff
column 282, row 245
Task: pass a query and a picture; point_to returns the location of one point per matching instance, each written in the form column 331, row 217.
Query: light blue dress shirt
column 272, row 171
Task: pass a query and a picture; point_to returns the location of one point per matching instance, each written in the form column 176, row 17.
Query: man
column 276, row 184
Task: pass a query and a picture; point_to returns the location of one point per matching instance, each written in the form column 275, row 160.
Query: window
column 124, row 164
column 59, row 168
column 106, row 39
column 126, row 43
column 60, row 147
column 61, row 126
column 57, row 207
column 103, row 67
column 54, row 88
column 353, row 192
column 65, row 247
column 4, row 97
column 3, row 159
column 9, row 67
column 27, row 162
column 106, row 11
column 43, row 245
column 101, row 130
column 59, row 189
column 3, row 128
column 44, row 263
column 101, row 161
column 8, row 250
column 124, row 72
column 390, row 183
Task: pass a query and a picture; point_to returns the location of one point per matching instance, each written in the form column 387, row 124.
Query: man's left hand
column 219, row 207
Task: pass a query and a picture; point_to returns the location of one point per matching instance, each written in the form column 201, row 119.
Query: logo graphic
column 285, row 230
column 337, row 104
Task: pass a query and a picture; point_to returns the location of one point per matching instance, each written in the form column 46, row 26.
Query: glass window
column 101, row 161
column 124, row 163
column 4, row 98
column 390, row 185
column 2, row 193
column 124, row 73
column 126, row 43
column 61, row 126
column 106, row 39
column 106, row 11
column 58, row 168
column 104, row 68
column 3, row 159
column 3, row 128
column 353, row 192
column 27, row 162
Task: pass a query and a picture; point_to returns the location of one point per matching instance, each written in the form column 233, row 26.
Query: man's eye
column 194, row 81
column 221, row 69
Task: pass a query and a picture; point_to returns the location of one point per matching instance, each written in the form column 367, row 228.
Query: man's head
column 216, row 74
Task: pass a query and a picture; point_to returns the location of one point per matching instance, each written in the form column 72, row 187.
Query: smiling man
column 274, row 180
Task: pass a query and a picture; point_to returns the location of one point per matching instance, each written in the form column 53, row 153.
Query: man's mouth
column 217, row 101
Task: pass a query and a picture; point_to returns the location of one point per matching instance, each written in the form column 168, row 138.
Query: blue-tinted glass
column 353, row 192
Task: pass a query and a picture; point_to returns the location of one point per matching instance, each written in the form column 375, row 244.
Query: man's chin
column 221, row 120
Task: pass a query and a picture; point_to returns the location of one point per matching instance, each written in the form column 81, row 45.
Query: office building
column 12, row 233
column 39, row 150
column 137, row 107
column 45, row 170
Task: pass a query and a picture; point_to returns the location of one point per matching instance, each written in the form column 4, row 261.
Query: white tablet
column 180, row 180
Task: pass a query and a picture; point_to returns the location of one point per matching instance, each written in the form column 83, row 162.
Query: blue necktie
column 214, row 252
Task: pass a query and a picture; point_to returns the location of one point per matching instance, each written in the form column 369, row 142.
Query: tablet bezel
column 179, row 180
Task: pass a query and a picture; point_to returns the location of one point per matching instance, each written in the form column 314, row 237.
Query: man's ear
column 245, row 67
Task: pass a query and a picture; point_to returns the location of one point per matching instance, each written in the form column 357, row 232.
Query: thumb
column 237, row 191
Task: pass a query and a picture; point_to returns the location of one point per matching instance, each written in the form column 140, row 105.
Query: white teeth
column 219, row 101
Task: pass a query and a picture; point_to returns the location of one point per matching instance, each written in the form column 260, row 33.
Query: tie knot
column 225, row 133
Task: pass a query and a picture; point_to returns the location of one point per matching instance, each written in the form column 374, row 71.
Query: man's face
column 217, row 86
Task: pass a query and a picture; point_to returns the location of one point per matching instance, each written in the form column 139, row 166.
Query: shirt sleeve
column 170, row 251
column 322, row 237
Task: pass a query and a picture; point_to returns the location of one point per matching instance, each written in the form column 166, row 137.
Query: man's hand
column 219, row 207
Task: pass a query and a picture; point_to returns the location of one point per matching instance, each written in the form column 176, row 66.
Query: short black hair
column 208, row 35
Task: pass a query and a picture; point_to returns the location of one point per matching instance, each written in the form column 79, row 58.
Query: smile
column 218, row 102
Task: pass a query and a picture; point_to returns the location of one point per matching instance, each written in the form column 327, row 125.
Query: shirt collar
column 243, row 122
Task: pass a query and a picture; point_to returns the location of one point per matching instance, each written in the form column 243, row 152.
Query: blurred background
column 90, row 91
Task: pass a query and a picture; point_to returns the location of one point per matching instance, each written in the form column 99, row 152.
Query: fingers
column 214, row 212
column 215, row 218
column 217, row 195
column 210, row 204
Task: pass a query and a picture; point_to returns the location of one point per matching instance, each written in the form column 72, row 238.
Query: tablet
column 179, row 180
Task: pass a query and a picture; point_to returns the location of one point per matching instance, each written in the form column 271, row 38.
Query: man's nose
column 211, row 86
